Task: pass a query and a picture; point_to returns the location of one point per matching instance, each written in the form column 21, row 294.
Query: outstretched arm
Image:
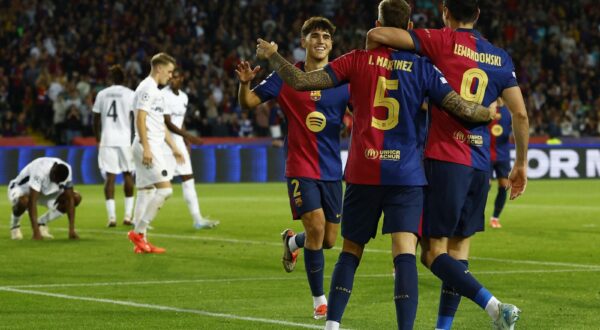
column 516, row 105
column 393, row 37
column 296, row 78
column 467, row 110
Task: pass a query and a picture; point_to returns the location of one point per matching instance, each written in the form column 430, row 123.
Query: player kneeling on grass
column 45, row 181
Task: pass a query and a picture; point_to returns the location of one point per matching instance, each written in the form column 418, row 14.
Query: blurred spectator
column 50, row 49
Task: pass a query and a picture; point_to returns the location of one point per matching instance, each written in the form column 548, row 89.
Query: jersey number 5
column 466, row 87
column 390, row 103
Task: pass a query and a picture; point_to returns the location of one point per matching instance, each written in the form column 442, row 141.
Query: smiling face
column 318, row 44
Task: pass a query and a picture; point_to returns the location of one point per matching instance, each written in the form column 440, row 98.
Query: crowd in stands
column 55, row 55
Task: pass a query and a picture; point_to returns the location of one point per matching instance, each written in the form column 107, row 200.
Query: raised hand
column 265, row 49
column 245, row 73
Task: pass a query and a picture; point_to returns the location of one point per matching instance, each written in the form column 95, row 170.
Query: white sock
column 49, row 216
column 15, row 221
column 318, row 301
column 128, row 207
column 332, row 325
column 191, row 199
column 292, row 244
column 157, row 201
column 492, row 308
column 111, row 209
column 141, row 202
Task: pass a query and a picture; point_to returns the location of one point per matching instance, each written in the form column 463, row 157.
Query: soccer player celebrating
column 457, row 155
column 45, row 181
column 176, row 102
column 313, row 165
column 384, row 172
column 153, row 172
column 113, row 121
column 500, row 130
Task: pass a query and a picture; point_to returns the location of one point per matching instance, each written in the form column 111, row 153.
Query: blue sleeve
column 269, row 88
column 511, row 80
column 435, row 83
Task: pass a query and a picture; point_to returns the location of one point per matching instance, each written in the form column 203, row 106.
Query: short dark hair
column 61, row 172
column 394, row 13
column 162, row 59
column 116, row 74
column 317, row 23
column 463, row 10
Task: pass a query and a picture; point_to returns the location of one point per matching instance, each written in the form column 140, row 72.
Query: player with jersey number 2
column 384, row 173
column 113, row 127
column 457, row 154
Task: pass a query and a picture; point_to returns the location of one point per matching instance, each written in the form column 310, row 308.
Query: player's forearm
column 140, row 123
column 521, row 133
column 174, row 129
column 71, row 211
column 296, row 78
column 170, row 142
column 32, row 210
column 393, row 37
column 466, row 110
column 247, row 98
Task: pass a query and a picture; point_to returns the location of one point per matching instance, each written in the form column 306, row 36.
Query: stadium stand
column 55, row 57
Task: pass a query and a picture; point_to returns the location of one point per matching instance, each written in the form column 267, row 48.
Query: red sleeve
column 428, row 42
column 340, row 70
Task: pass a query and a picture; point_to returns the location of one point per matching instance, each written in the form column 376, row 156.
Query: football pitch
column 546, row 260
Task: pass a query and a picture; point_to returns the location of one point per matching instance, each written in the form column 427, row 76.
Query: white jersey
column 115, row 106
column 149, row 98
column 176, row 107
column 36, row 175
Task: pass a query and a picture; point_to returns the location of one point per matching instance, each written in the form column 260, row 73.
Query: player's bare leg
column 109, row 196
column 128, row 185
column 15, row 220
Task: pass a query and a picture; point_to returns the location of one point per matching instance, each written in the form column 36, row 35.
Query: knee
column 76, row 198
column 165, row 193
column 23, row 201
column 328, row 243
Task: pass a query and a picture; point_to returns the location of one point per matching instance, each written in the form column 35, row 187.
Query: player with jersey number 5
column 45, row 181
column 153, row 172
column 113, row 127
column 176, row 101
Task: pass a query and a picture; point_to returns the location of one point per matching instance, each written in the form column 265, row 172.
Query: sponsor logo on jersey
column 497, row 130
column 316, row 121
column 393, row 155
column 472, row 139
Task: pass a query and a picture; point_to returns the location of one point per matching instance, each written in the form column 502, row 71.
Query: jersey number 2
column 390, row 103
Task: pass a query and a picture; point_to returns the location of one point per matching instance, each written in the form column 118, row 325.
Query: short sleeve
column 97, row 102
column 436, row 84
column 342, row 68
column 143, row 101
column 269, row 88
column 428, row 42
column 511, row 77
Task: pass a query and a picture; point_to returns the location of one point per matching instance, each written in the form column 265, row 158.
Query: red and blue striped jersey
column 388, row 88
column 479, row 72
column 500, row 130
column 314, row 121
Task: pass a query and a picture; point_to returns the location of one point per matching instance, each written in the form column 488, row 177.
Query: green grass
column 545, row 260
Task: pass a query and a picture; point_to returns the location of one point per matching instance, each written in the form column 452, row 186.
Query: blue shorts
column 454, row 199
column 501, row 168
column 363, row 205
column 309, row 194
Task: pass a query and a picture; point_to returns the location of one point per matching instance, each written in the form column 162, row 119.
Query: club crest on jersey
column 315, row 95
column 316, row 121
column 298, row 201
column 497, row 130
